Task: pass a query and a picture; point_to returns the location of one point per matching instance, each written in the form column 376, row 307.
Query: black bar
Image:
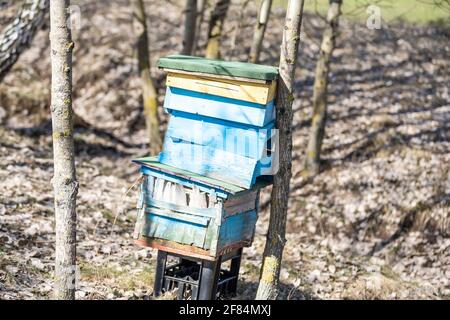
column 234, row 269
column 210, row 271
column 159, row 275
column 181, row 287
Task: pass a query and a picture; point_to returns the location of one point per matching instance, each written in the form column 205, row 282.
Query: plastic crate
column 188, row 280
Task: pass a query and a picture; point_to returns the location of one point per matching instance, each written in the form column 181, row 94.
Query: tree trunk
column 215, row 29
column 200, row 16
column 18, row 35
column 189, row 26
column 149, row 94
column 273, row 251
column 237, row 28
column 260, row 29
column 64, row 180
column 312, row 159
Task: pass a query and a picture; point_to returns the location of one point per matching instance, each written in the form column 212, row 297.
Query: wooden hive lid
column 153, row 163
column 231, row 69
column 228, row 188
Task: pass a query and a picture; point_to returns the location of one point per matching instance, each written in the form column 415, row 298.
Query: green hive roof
column 219, row 67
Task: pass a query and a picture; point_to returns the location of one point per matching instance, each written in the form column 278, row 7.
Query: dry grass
column 384, row 285
column 118, row 278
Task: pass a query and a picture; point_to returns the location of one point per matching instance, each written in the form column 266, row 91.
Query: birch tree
column 260, row 29
column 18, row 35
column 237, row 28
column 64, row 180
column 215, row 29
column 149, row 94
column 190, row 22
column 198, row 25
column 320, row 94
column 273, row 251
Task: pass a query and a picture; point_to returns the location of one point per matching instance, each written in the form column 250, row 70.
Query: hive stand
column 202, row 279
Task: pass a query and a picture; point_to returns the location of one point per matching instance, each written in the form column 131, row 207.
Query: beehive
column 199, row 196
column 185, row 213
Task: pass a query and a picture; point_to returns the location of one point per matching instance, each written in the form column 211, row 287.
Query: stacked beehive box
column 185, row 213
column 199, row 196
column 222, row 116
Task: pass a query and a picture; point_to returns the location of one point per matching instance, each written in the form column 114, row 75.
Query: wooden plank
column 249, row 196
column 219, row 107
column 218, row 76
column 231, row 137
column 240, row 90
column 211, row 162
column 153, row 163
column 173, row 247
column 239, row 208
column 148, row 171
column 206, row 212
column 228, row 250
column 238, row 204
column 237, row 228
column 177, row 215
column 186, row 250
column 175, row 229
column 218, row 67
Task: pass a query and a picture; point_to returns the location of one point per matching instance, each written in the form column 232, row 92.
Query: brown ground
column 374, row 224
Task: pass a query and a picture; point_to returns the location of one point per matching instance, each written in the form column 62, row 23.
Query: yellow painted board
column 216, row 76
column 241, row 90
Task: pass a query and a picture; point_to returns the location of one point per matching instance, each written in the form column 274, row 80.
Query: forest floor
column 374, row 224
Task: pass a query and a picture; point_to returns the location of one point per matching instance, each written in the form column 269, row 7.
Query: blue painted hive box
column 239, row 111
column 189, row 214
column 218, row 149
column 222, row 118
